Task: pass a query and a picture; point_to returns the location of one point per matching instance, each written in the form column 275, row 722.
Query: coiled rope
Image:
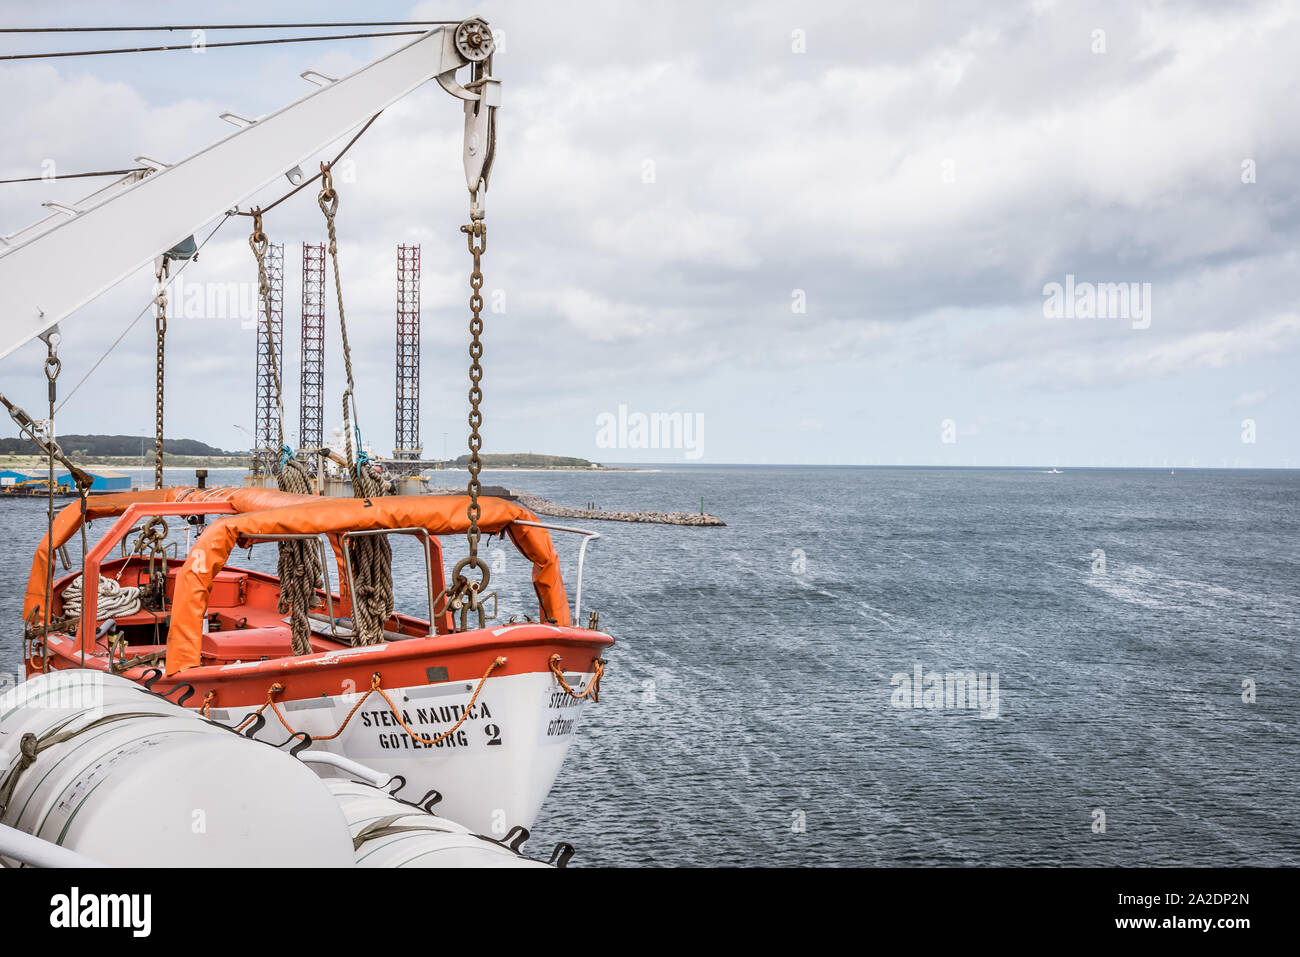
column 298, row 564
column 114, row 601
column 371, row 555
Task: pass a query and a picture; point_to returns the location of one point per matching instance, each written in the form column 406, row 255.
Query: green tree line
column 110, row 445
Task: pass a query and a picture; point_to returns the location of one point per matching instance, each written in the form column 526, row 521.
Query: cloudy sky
column 823, row 230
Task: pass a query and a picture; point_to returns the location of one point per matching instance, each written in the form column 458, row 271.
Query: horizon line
column 1014, row 467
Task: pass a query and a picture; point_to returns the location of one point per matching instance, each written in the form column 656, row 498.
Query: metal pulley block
column 473, row 40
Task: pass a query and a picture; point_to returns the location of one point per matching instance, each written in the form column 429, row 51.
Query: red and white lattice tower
column 266, row 413
column 311, row 414
column 407, row 432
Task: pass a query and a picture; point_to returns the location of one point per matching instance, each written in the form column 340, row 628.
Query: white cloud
column 825, row 171
column 1248, row 399
column 603, row 320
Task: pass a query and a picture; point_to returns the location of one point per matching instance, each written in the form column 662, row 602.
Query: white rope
column 114, row 600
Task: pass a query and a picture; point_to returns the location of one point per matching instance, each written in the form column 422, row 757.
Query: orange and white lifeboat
column 483, row 717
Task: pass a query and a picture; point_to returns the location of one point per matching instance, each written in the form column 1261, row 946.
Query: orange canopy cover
column 68, row 521
column 272, row 512
column 439, row 514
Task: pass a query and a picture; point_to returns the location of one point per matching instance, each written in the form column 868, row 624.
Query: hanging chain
column 42, row 433
column 476, row 230
column 52, row 368
column 464, row 595
column 83, row 492
column 259, row 244
column 160, row 330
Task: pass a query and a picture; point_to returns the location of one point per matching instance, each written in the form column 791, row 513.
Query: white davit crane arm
column 63, row 262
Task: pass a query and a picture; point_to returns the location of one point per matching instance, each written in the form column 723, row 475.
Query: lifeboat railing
column 430, row 544
column 90, row 570
column 587, row 538
column 322, row 543
column 425, row 539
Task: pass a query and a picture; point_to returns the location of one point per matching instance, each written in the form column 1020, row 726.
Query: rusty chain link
column 258, row 242
column 52, row 369
column 462, row 594
column 151, row 543
column 160, row 332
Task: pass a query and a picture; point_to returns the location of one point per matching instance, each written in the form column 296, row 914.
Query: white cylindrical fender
column 129, row 779
column 434, row 842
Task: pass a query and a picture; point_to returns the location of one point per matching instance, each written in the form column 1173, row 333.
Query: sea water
column 874, row 666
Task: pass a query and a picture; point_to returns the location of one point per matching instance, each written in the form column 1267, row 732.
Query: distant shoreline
column 170, row 461
column 242, row 464
column 1064, row 469
column 133, row 463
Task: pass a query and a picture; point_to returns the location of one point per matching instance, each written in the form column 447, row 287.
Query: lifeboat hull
column 482, row 718
column 493, row 772
column 401, row 709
